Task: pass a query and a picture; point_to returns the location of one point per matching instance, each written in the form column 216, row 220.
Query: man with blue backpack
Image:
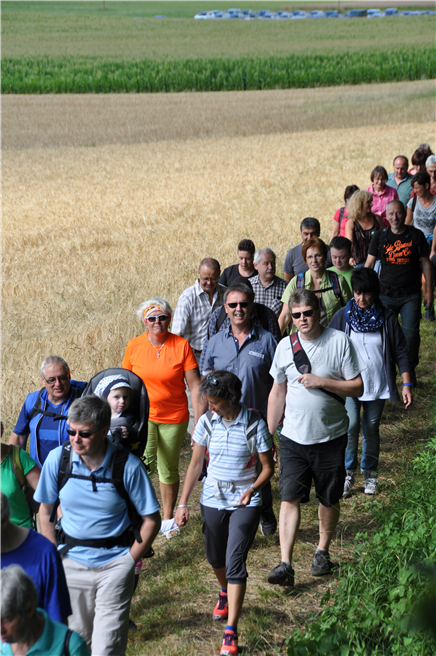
column 43, row 413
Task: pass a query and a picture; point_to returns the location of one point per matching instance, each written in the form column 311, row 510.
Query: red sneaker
column 221, row 610
column 230, row 644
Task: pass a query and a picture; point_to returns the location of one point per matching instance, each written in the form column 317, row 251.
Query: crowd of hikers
column 247, row 360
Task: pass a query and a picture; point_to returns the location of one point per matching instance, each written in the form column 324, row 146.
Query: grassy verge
column 380, row 544
column 67, row 75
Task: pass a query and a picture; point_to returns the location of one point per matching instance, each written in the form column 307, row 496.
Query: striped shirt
column 192, row 313
column 229, row 456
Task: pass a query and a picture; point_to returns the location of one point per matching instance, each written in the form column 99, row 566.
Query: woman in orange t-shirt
column 164, row 361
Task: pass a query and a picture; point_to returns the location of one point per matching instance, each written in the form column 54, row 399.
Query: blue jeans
column 372, row 413
column 409, row 308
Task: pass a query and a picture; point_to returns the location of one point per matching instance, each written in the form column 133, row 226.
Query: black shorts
column 229, row 535
column 322, row 462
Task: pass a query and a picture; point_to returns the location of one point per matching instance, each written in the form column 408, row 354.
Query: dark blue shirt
column 250, row 363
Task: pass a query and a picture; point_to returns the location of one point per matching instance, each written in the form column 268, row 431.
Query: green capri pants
column 163, row 445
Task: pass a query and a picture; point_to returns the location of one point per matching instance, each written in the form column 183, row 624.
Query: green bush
column 386, row 600
column 70, row 75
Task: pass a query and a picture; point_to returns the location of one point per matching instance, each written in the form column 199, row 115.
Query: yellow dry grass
column 89, row 232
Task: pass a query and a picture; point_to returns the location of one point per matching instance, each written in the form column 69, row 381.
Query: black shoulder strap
column 334, row 281
column 67, row 643
column 415, row 198
column 37, row 406
column 64, row 473
column 302, row 364
column 117, row 476
column 341, row 214
column 221, row 318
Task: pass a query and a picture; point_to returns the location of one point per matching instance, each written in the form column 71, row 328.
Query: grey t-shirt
column 424, row 218
column 312, row 416
column 294, row 263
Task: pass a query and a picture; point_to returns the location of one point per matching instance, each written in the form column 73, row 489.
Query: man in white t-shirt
column 314, row 435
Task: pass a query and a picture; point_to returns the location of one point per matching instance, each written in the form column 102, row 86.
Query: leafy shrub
column 386, row 599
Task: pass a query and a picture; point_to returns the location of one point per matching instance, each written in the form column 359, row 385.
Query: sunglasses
column 161, row 318
column 243, row 304
column 305, row 313
column 61, row 379
column 84, row 434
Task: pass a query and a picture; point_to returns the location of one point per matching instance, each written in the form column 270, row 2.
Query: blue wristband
column 407, row 384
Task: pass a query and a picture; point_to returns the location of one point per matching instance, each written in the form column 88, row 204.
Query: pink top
column 379, row 202
column 341, row 215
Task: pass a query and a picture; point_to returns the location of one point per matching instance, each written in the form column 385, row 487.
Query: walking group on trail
column 251, row 362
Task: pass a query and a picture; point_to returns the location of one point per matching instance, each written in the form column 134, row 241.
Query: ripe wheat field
column 107, row 201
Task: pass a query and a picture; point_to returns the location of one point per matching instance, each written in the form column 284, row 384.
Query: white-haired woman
column 164, row 361
column 361, row 226
column 23, row 625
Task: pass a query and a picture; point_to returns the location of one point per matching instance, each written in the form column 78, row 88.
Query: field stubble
column 89, row 232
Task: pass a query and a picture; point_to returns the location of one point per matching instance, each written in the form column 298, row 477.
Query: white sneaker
column 349, row 482
column 370, row 485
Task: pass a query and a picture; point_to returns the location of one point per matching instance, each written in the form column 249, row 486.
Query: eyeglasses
column 305, row 313
column 242, row 304
column 61, row 379
column 208, row 279
column 84, row 434
column 317, row 256
column 161, row 318
column 214, row 382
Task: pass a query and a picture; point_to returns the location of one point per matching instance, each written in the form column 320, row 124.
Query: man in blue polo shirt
column 99, row 564
column 247, row 350
column 38, row 414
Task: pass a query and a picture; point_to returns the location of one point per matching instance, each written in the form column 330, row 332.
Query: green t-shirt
column 20, row 512
column 346, row 274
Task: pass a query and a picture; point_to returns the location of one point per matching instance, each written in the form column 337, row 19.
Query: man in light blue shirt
column 101, row 557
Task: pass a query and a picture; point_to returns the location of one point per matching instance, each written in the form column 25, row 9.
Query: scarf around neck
column 364, row 321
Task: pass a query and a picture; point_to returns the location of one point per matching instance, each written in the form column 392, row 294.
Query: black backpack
column 132, row 533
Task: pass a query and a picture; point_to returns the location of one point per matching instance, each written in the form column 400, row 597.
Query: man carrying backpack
column 40, row 416
column 99, row 502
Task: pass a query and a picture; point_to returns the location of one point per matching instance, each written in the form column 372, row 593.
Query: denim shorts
column 323, row 463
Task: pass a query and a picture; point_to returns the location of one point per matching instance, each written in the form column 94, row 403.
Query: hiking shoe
column 283, row 574
column 370, row 485
column 230, row 643
column 221, row 610
column 322, row 564
column 268, row 522
column 349, row 482
column 429, row 313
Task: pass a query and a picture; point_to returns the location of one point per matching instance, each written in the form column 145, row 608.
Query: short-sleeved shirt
column 400, row 273
column 312, row 416
column 271, row 295
column 380, row 201
column 232, row 272
column 20, row 511
column 41, row 561
column 346, row 274
column 52, row 641
column 250, row 363
column 424, row 218
column 294, row 263
column 229, row 456
column 163, row 376
column 404, row 189
column 100, row 514
column 341, row 217
column 192, row 313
